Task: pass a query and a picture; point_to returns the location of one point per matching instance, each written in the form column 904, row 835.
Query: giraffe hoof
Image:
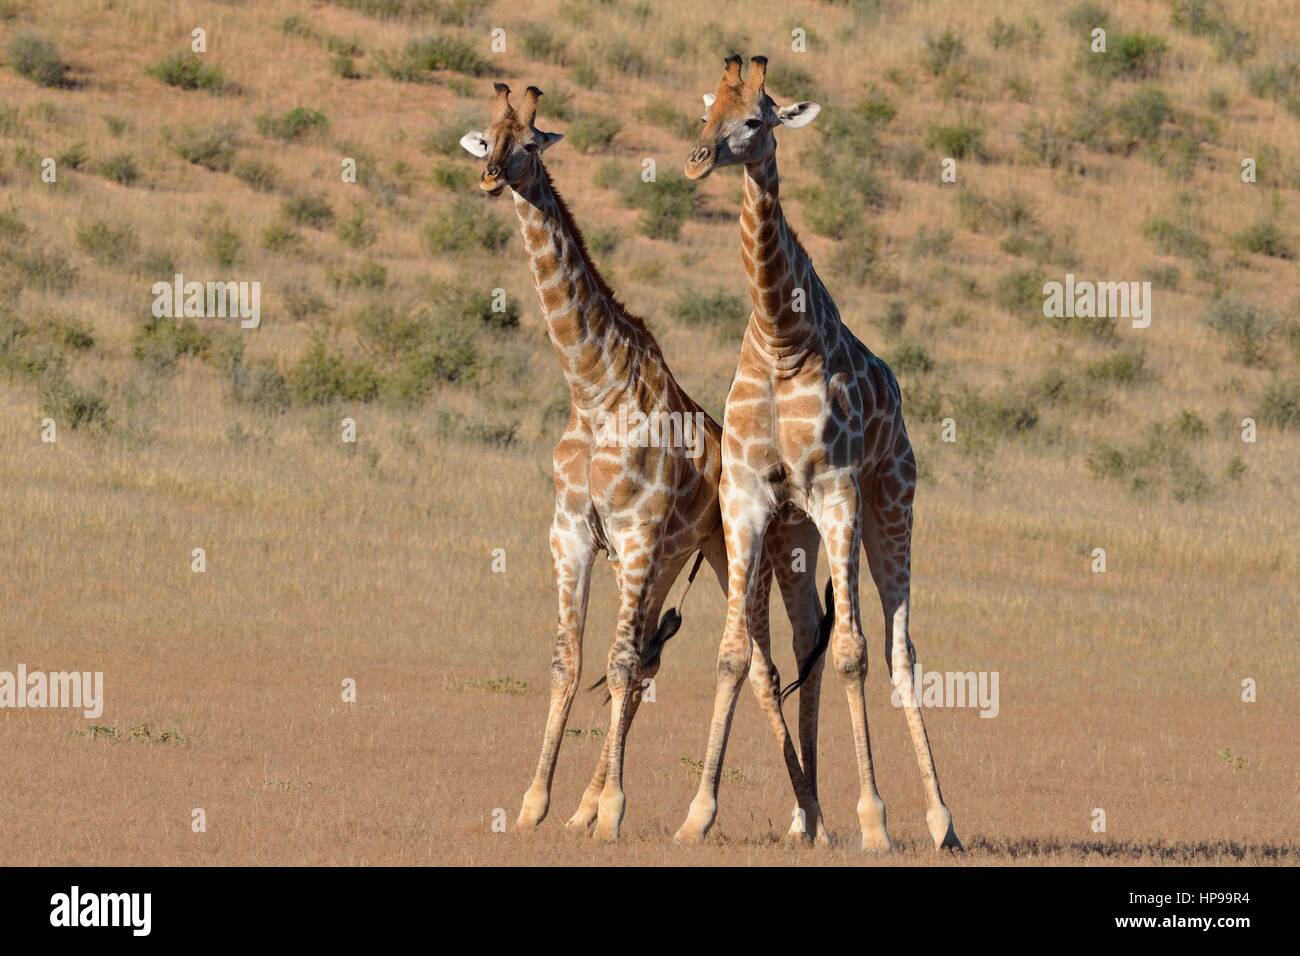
column 580, row 822
column 605, row 833
column 688, row 837
column 942, row 832
column 877, row 843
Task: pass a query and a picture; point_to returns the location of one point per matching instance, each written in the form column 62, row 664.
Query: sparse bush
column 161, row 342
column 307, row 210
column 1021, row 292
column 345, row 67
column 1280, row 404
column 70, row 404
column 593, row 132
column 187, row 71
column 716, row 308
column 259, row 383
column 296, row 124
column 1122, row 368
column 222, row 244
column 941, row 52
column 281, row 237
column 36, row 59
column 931, row 243
column 102, row 240
column 259, row 175
column 212, row 148
column 665, row 205
column 356, row 232
column 121, row 169
column 958, row 140
column 1247, row 327
column 910, row 357
column 1264, row 238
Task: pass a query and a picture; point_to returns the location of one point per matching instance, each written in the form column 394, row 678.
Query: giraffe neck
column 596, row 340
column 789, row 299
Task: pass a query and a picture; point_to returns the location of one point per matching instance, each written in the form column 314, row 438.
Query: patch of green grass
column 716, row 309
column 324, row 374
column 910, row 357
column 960, row 139
column 1129, row 56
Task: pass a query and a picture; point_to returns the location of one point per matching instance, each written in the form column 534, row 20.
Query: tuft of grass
column 121, row 169
column 941, row 52
column 1247, row 327
column 259, row 175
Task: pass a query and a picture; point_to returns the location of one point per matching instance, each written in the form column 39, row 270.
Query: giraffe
column 813, row 421
column 648, row 505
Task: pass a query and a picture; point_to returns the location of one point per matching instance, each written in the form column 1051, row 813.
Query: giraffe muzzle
column 490, row 182
column 700, row 162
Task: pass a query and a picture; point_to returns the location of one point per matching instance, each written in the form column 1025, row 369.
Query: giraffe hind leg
column 887, row 541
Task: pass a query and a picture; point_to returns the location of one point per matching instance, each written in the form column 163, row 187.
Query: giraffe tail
column 823, row 640
column 669, row 625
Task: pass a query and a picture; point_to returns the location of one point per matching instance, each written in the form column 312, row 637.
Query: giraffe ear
column 474, row 143
column 547, row 140
column 708, row 100
column 798, row 114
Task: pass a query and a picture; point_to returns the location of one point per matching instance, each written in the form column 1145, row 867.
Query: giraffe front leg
column 572, row 555
column 841, row 532
column 744, row 534
column 638, row 557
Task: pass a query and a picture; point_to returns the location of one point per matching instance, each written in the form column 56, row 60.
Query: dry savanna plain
column 1146, row 713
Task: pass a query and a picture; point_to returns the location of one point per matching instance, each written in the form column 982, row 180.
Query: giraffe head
column 739, row 119
column 511, row 144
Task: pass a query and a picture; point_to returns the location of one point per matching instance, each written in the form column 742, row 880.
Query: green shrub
column 1129, row 56
column 957, row 140
column 1177, row 237
column 259, row 383
column 222, row 245
column 593, row 132
column 444, row 52
column 1021, row 291
column 187, row 71
column 910, row 357
column 931, row 243
column 323, row 375
column 71, row 404
column 282, row 237
column 665, row 205
column 36, row 59
column 465, row 224
column 160, row 342
column 345, row 67
column 828, row 214
column 716, row 308
column 1143, row 115
column 1122, row 368
column 1280, row 404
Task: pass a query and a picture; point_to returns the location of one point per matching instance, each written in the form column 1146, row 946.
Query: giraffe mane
column 580, row 242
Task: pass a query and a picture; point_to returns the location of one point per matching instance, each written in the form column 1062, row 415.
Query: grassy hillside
column 330, row 559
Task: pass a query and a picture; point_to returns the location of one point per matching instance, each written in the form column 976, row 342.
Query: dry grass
column 328, row 561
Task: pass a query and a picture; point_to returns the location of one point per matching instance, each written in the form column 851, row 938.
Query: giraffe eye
column 530, row 147
column 753, row 123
